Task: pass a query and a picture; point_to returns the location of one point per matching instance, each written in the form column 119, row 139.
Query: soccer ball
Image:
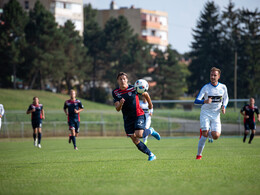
column 141, row 86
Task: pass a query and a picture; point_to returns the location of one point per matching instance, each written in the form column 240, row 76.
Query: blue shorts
column 137, row 123
column 37, row 124
column 74, row 125
column 249, row 125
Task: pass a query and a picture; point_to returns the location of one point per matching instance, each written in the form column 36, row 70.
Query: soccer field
column 115, row 166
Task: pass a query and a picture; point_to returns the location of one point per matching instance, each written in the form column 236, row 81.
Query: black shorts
column 250, row 125
column 74, row 125
column 135, row 124
column 37, row 124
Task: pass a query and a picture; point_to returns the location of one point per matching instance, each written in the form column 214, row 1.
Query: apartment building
column 62, row 10
column 151, row 26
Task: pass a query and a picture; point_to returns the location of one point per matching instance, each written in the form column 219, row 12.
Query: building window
column 26, row 4
column 153, row 32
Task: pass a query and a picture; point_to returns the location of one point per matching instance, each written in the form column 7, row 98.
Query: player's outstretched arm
column 148, row 99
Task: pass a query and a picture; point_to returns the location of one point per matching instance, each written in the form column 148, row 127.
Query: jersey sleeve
column 29, row 108
column 2, row 110
column 257, row 110
column 242, row 109
column 115, row 98
column 65, row 106
column 225, row 97
column 199, row 97
column 80, row 105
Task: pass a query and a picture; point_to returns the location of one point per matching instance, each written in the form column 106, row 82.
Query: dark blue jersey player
column 248, row 111
column 37, row 114
column 72, row 108
column 126, row 99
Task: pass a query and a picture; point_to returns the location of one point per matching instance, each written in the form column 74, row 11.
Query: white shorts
column 148, row 121
column 210, row 121
column 0, row 123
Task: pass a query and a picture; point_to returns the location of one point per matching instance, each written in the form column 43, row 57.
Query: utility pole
column 235, row 80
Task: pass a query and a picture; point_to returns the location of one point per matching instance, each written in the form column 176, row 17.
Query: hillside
column 21, row 99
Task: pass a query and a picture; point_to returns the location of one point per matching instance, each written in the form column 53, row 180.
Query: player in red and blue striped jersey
column 72, row 109
column 248, row 111
column 37, row 114
column 127, row 100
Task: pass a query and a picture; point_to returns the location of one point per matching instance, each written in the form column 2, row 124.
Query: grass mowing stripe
column 115, row 166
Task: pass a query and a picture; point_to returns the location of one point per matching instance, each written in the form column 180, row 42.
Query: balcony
column 149, row 24
column 152, row 39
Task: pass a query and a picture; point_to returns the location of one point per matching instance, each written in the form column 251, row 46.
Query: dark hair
column 35, row 97
column 121, row 74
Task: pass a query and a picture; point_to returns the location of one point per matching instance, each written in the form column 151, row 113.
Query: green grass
column 115, row 166
column 21, row 99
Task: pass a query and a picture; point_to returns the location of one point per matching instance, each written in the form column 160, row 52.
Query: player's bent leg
column 251, row 136
column 215, row 135
column 142, row 147
column 145, row 137
column 139, row 133
column 34, row 137
column 73, row 138
column 155, row 134
column 245, row 135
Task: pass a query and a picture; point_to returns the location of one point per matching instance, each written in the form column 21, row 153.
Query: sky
column 182, row 15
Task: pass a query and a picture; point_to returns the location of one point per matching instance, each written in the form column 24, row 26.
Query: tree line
column 229, row 40
column 38, row 52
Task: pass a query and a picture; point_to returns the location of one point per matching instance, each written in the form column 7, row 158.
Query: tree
column 206, row 47
column 123, row 50
column 230, row 41
column 45, row 40
column 12, row 42
column 170, row 75
column 249, row 54
column 93, row 42
column 76, row 63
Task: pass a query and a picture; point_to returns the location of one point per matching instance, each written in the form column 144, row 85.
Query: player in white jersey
column 214, row 99
column 2, row 112
column 148, row 115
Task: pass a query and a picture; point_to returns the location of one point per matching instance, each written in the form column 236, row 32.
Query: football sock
column 251, row 137
column 145, row 139
column 34, row 136
column 210, row 136
column 73, row 138
column 146, row 132
column 39, row 137
column 143, row 148
column 245, row 135
column 201, row 144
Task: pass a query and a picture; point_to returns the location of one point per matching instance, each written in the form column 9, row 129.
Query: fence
column 167, row 126
column 110, row 123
